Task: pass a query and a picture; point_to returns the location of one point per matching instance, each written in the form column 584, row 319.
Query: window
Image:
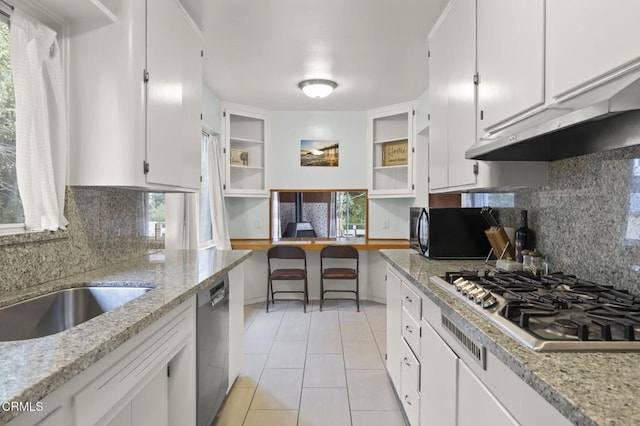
column 11, row 214
column 324, row 214
column 205, row 230
column 632, row 234
column 480, row 199
column 155, row 215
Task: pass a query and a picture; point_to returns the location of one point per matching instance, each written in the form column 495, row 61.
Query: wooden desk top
column 319, row 243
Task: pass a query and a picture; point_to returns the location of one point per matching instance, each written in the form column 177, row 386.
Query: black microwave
column 448, row 233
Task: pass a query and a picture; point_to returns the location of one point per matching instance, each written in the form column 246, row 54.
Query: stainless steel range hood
column 597, row 119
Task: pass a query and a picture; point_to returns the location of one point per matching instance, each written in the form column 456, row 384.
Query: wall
column 105, row 227
column 211, row 111
column 587, row 219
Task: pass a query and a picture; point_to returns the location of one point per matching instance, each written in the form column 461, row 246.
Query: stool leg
column 321, row 291
column 268, row 288
column 304, row 295
column 357, row 293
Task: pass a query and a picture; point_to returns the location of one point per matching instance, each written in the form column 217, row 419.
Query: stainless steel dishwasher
column 212, row 349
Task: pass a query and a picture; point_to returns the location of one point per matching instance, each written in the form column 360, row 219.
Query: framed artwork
column 319, row 153
column 239, row 157
column 395, row 153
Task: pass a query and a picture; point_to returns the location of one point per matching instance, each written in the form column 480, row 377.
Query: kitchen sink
column 61, row 310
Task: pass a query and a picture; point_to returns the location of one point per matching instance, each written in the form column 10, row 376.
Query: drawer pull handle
column 408, row 329
column 408, row 299
column 406, row 362
column 406, row 399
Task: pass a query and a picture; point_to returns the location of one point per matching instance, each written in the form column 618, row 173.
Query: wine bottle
column 522, row 236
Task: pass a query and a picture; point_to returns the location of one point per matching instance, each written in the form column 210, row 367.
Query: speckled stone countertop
column 588, row 388
column 31, row 369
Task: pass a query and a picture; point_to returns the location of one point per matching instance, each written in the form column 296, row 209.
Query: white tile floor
column 319, row 368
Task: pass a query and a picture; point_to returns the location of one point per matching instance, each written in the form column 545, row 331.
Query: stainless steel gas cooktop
column 551, row 313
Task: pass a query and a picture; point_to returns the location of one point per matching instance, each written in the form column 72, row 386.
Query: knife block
column 502, row 247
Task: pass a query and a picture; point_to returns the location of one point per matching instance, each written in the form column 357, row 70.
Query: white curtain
column 181, row 214
column 41, row 131
column 219, row 222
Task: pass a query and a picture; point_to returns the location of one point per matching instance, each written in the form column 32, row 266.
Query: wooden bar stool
column 288, row 253
column 344, row 252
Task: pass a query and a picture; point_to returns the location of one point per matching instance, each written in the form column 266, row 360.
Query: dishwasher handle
column 217, row 293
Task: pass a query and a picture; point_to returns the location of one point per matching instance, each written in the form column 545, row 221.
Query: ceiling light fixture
column 317, row 88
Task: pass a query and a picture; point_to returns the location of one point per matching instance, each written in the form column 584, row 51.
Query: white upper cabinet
column 590, row 41
column 452, row 65
column 510, row 59
column 136, row 100
column 452, row 130
column 391, row 151
column 246, row 137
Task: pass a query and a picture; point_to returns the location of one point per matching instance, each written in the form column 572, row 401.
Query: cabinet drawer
column 410, row 365
column 411, row 332
column 411, row 301
column 410, row 400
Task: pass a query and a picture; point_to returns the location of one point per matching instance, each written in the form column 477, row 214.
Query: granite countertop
column 588, row 388
column 32, row 369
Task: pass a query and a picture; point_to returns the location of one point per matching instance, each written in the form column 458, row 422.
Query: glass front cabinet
column 245, row 153
column 390, row 137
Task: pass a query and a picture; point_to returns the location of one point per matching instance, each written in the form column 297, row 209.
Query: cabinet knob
column 408, row 299
column 406, row 362
column 406, row 399
column 406, row 327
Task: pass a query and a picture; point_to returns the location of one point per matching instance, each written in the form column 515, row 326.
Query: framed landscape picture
column 319, row 153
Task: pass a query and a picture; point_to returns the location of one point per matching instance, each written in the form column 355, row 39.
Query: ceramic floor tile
column 287, row 355
column 279, row 389
column 324, row 371
column 324, row 342
column 252, row 366
column 335, row 305
column 373, row 307
column 381, row 341
column 377, row 418
column 352, row 315
column 378, row 322
column 271, row 418
column 325, row 320
column 324, row 406
column 235, row 408
column 356, row 331
column 370, row 390
column 257, row 344
column 361, row 355
column 294, row 327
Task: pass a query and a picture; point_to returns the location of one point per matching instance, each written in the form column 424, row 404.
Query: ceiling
column 257, row 51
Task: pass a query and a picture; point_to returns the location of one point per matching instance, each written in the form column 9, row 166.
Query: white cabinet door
column 438, row 380
column 510, row 43
column 149, row 407
column 394, row 338
column 439, row 104
column 174, row 64
column 462, row 107
column 588, row 39
column 477, row 404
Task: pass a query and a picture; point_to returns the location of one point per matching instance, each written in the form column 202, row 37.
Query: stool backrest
column 286, row 253
column 339, row 252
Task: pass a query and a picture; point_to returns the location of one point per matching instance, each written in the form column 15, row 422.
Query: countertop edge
column 554, row 397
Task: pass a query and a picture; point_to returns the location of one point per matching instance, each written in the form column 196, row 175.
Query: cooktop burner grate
column 554, row 312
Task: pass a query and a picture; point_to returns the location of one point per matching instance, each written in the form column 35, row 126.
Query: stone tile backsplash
column 106, row 226
column 587, row 219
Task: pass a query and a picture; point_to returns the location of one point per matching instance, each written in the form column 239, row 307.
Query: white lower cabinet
column 439, row 382
column 148, row 380
column 394, row 334
column 438, row 379
column 476, row 404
